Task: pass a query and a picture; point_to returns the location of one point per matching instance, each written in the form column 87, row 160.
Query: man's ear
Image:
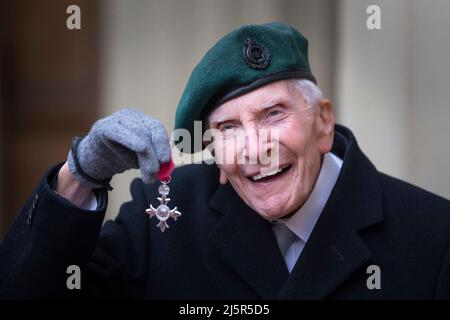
column 325, row 125
column 223, row 177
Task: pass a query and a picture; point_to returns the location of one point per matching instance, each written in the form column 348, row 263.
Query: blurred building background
column 389, row 86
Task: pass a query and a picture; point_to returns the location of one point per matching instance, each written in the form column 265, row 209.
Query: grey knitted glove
column 127, row 139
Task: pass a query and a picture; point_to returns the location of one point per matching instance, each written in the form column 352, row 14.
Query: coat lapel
column 333, row 252
column 246, row 242
column 335, row 249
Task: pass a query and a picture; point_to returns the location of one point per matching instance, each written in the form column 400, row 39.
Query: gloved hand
column 127, row 139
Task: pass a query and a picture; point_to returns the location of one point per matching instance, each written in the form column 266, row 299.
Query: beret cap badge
column 256, row 54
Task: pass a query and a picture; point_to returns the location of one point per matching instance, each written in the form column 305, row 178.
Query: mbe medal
column 163, row 212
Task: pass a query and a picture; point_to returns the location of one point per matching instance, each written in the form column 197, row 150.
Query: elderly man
column 319, row 222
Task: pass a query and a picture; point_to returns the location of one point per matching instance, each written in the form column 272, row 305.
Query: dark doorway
column 48, row 91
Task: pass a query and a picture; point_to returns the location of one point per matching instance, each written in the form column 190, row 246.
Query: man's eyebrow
column 219, row 118
column 269, row 104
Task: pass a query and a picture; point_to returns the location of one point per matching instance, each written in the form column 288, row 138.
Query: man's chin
column 270, row 209
column 271, row 213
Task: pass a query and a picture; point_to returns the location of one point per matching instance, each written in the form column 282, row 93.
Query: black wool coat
column 222, row 249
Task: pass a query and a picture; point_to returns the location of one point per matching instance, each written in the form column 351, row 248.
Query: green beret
column 243, row 60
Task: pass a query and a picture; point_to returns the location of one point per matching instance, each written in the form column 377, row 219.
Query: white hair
column 310, row 92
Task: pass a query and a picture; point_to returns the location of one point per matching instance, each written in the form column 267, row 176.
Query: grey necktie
column 287, row 242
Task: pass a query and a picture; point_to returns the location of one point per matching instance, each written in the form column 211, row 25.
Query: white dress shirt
column 92, row 203
column 292, row 239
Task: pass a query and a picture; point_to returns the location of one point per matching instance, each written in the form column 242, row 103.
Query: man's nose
column 254, row 145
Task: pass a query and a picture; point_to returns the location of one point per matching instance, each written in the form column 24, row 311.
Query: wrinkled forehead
column 280, row 92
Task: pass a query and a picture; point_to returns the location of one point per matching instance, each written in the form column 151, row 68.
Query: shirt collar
column 303, row 221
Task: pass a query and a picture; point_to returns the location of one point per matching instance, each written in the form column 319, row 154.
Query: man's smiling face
column 304, row 134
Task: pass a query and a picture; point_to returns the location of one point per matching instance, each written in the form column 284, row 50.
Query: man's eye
column 226, row 127
column 273, row 113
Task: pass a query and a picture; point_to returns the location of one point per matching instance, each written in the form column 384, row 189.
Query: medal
column 163, row 212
